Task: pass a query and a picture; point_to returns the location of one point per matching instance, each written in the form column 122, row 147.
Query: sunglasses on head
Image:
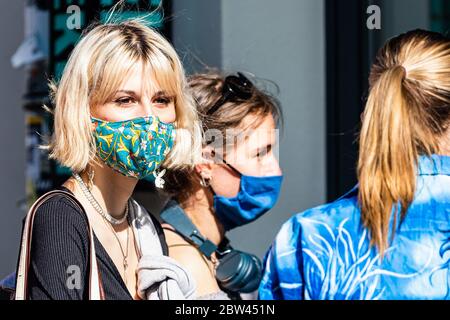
column 234, row 88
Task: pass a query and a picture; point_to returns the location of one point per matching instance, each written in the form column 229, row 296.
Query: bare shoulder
column 172, row 237
column 192, row 259
column 183, row 251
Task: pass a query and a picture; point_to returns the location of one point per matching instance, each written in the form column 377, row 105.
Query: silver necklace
column 97, row 206
column 110, row 219
column 124, row 253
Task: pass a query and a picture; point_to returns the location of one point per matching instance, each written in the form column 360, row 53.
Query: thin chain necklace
column 87, row 193
column 124, row 253
column 97, row 206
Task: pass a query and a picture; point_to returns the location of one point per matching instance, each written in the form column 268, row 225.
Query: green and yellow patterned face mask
column 136, row 147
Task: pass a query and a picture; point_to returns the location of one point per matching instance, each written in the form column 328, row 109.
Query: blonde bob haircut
column 95, row 70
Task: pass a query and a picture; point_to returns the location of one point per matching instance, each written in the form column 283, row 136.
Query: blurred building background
column 317, row 51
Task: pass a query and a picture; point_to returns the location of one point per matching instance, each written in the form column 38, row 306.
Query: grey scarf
column 159, row 277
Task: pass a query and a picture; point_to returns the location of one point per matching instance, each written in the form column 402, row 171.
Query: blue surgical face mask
column 256, row 196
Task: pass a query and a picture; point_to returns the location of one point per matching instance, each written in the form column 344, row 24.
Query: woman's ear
column 208, row 154
column 204, row 170
column 212, row 155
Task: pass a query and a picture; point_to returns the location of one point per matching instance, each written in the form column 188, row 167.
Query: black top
column 60, row 245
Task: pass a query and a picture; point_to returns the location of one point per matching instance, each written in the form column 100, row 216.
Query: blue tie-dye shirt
column 324, row 252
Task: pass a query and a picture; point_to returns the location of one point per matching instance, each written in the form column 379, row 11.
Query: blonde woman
column 388, row 238
column 121, row 110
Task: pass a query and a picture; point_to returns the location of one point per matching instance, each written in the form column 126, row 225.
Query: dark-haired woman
column 238, row 181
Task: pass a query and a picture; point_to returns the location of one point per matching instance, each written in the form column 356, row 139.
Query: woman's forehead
column 143, row 80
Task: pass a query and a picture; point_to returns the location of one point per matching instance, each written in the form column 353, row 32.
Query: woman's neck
column 199, row 208
column 444, row 144
column 110, row 188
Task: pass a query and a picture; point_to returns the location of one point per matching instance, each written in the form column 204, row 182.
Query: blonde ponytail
column 400, row 123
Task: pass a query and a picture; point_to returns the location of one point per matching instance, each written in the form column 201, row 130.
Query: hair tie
column 405, row 73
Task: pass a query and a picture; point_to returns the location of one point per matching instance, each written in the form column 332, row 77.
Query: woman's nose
column 277, row 170
column 273, row 166
column 146, row 107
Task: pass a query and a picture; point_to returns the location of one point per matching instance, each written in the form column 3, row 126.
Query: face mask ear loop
column 233, row 168
column 230, row 166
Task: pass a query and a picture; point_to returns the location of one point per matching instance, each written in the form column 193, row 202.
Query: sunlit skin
column 110, row 188
column 444, row 144
column 252, row 156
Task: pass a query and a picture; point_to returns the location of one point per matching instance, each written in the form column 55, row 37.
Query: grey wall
column 403, row 15
column 12, row 131
column 283, row 41
column 197, row 33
